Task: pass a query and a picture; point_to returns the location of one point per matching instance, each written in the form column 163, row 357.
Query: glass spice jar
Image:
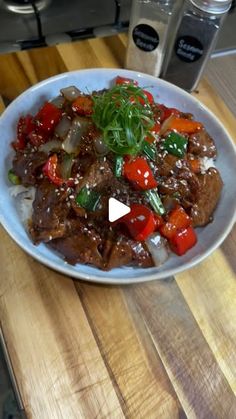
column 196, row 34
column 148, row 34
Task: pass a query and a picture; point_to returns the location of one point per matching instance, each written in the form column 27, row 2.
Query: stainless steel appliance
column 53, row 21
column 34, row 23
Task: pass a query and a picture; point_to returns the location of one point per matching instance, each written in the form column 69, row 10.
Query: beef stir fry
column 80, row 150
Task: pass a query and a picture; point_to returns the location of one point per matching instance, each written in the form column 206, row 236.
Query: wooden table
column 163, row 349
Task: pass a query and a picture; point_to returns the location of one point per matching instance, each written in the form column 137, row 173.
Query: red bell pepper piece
column 185, row 125
column 156, row 127
column 166, row 112
column 139, row 173
column 125, row 80
column 140, row 221
column 24, row 127
column 154, row 130
column 36, row 138
column 183, row 240
column 50, row 170
column 178, row 219
column 149, row 97
column 83, row 105
column 47, row 118
column 159, row 221
column 143, row 101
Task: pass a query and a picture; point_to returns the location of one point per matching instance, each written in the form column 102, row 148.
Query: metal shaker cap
column 212, row 6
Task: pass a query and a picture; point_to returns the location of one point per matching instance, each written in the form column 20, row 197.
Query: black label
column 188, row 49
column 145, row 37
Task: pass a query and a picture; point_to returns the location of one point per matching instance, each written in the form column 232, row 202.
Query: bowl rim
column 66, row 269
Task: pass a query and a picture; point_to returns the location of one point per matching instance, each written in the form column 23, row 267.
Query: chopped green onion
column 122, row 117
column 155, row 201
column 13, row 178
column 175, row 144
column 149, row 150
column 88, row 199
column 118, row 166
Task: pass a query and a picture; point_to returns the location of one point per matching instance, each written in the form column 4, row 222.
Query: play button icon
column 116, row 209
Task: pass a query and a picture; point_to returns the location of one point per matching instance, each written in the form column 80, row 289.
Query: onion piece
column 52, row 145
column 66, row 166
column 63, row 127
column 100, row 146
column 70, row 93
column 58, row 101
column 157, row 246
column 166, row 124
column 78, row 128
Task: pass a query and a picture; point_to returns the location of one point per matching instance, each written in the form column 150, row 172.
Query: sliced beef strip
column 50, row 211
column 172, row 185
column 81, row 164
column 120, row 255
column 128, row 252
column 96, row 174
column 141, row 255
column 185, row 183
column 166, row 164
column 191, row 178
column 87, row 142
column 208, row 196
column 79, row 247
column 27, row 164
column 202, row 145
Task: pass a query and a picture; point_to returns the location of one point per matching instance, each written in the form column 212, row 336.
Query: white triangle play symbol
column 116, row 209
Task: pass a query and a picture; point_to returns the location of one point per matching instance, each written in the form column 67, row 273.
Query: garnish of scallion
column 124, row 116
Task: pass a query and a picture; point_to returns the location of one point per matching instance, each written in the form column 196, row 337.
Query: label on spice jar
column 188, row 49
column 145, row 37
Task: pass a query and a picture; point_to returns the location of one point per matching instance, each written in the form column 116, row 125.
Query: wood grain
column 58, row 366
column 221, row 73
column 133, row 364
column 165, row 349
column 188, row 359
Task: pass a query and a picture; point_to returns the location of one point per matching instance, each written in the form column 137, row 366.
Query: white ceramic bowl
column 209, row 237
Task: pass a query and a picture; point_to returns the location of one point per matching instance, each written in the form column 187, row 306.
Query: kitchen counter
column 163, row 349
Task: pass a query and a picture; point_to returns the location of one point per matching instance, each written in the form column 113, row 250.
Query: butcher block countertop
column 163, row 349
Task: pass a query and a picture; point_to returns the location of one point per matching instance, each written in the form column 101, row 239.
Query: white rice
column 206, row 163
column 24, row 198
